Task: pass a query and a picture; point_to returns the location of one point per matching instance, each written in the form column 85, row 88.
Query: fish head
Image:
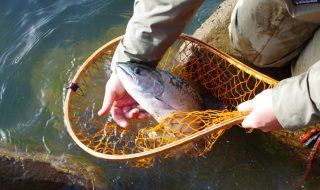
column 158, row 92
column 140, row 79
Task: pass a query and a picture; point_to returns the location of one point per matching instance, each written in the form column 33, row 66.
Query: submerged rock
column 42, row 171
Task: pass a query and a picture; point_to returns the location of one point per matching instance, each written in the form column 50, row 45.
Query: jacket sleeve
column 296, row 101
column 154, row 26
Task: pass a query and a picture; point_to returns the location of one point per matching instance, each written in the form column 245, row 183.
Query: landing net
column 194, row 133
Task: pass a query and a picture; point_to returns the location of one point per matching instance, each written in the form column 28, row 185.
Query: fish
column 158, row 92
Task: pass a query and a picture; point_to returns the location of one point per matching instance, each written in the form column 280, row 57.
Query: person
column 269, row 33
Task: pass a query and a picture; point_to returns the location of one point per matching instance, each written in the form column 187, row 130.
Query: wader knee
column 265, row 34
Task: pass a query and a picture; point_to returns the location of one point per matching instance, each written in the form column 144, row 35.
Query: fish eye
column 137, row 70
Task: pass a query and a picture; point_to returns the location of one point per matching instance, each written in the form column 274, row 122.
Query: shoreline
column 214, row 30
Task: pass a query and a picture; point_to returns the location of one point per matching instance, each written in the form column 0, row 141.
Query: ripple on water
column 31, row 28
column 2, row 90
column 6, row 135
column 25, row 42
column 3, row 136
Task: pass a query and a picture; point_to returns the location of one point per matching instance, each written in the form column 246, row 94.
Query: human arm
column 292, row 104
column 154, row 26
column 297, row 99
column 152, row 29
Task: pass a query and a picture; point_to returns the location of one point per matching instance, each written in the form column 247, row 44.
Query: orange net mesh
column 223, row 77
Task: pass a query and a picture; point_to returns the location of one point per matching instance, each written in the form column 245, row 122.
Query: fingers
column 252, row 122
column 131, row 112
column 143, row 115
column 119, row 117
column 261, row 114
column 119, row 103
column 246, row 106
column 249, row 121
column 108, row 100
column 113, row 90
column 126, row 100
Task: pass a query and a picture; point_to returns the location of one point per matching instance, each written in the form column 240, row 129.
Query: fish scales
column 186, row 94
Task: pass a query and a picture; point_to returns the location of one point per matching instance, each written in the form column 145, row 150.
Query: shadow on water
column 43, row 43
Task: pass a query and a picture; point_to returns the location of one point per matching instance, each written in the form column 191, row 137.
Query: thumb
column 246, row 106
column 249, row 121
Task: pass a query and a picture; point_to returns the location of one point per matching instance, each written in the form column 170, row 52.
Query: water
column 44, row 42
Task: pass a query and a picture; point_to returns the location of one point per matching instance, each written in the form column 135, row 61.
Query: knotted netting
column 194, row 133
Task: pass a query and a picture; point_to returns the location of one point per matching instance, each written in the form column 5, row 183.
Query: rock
column 42, row 171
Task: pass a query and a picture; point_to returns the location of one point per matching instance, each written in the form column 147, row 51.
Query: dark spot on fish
column 177, row 82
column 137, row 70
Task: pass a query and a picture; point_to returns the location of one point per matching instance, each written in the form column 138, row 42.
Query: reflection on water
column 44, row 42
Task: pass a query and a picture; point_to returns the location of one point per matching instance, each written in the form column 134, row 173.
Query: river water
column 44, row 42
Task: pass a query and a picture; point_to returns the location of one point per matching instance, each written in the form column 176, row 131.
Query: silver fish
column 158, row 92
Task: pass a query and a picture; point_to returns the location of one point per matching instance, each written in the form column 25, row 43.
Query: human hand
column 120, row 104
column 261, row 113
